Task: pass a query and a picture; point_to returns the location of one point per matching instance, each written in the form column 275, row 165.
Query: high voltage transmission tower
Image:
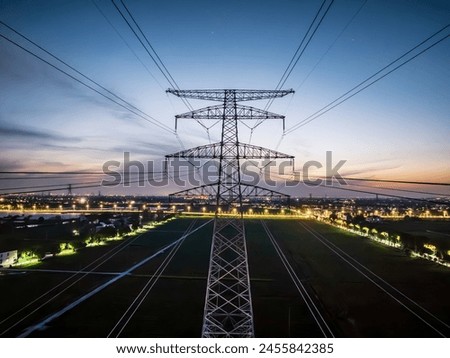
column 228, row 307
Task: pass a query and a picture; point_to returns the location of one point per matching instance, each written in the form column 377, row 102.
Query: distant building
column 8, row 258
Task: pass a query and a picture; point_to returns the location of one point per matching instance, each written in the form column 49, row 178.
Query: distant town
column 36, row 227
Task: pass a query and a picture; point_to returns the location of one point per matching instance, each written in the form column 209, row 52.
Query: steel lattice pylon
column 228, row 306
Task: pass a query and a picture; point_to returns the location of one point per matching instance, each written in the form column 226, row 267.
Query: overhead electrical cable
column 126, row 43
column 332, row 44
column 300, row 51
column 87, row 185
column 113, row 98
column 360, row 191
column 312, row 29
column 400, row 190
column 395, row 181
column 282, row 83
column 155, row 57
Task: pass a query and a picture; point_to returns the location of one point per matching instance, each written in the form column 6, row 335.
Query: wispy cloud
column 369, row 170
column 10, row 165
column 145, row 148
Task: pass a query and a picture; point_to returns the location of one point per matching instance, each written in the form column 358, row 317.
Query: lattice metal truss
column 228, row 307
column 209, row 191
column 234, row 94
column 216, row 150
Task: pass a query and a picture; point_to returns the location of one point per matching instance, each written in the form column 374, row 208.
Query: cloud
column 8, row 165
column 370, row 170
column 19, row 69
column 145, row 148
column 55, row 164
column 74, row 148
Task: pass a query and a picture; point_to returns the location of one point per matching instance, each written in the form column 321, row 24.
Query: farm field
column 435, row 230
column 353, row 302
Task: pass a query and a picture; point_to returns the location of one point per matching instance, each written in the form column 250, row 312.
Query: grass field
column 435, row 230
column 352, row 305
column 356, row 307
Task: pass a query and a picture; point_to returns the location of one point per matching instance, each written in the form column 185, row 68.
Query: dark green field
column 352, row 305
column 436, row 231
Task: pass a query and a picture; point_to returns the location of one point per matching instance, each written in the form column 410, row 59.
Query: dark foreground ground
column 353, row 301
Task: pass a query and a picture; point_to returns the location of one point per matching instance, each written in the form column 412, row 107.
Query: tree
column 78, row 245
column 333, row 217
column 107, row 231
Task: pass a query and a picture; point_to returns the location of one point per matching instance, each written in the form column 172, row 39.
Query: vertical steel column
column 228, row 309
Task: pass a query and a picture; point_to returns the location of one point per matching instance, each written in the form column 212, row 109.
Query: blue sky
column 397, row 129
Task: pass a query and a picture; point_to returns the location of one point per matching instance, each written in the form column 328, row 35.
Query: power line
column 401, row 190
column 90, row 173
column 43, row 177
column 71, row 172
column 306, row 45
column 296, row 57
column 333, row 43
column 73, row 187
column 142, row 295
column 126, row 43
column 394, row 181
column 172, row 82
column 142, row 43
column 341, row 99
column 383, row 194
column 360, row 191
column 45, row 186
column 93, row 184
column 128, row 105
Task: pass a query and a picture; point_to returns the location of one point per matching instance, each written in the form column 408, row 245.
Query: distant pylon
column 69, row 190
column 228, row 307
